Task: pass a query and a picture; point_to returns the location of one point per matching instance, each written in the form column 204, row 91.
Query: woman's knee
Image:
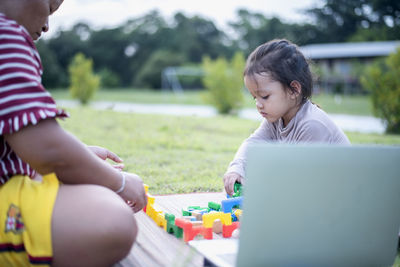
column 94, row 219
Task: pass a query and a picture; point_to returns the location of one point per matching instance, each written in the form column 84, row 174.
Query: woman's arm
column 48, row 148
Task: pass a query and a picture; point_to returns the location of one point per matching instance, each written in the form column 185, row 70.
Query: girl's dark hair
column 284, row 62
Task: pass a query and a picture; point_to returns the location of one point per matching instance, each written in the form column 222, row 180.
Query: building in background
column 338, row 65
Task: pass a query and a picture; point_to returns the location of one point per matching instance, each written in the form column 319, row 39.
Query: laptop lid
column 320, row 206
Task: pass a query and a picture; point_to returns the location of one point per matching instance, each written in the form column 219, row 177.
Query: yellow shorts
column 26, row 208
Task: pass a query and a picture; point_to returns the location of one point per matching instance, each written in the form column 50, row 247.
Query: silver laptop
column 318, row 206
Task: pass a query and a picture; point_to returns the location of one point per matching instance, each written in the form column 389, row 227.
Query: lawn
column 355, row 105
column 175, row 154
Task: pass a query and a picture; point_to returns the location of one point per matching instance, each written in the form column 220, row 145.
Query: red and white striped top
column 23, row 99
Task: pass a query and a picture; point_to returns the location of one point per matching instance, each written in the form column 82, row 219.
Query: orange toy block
column 228, row 229
column 190, row 231
column 208, row 219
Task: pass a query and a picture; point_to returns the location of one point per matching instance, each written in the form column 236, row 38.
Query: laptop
column 315, row 205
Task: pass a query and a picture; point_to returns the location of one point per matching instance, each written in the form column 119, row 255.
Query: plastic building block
column 217, row 226
column 237, row 189
column 190, row 231
column 186, row 213
column 189, row 218
column 197, row 215
column 160, row 220
column 171, row 227
column 208, row 219
column 228, row 229
column 238, row 213
column 214, row 206
column 229, row 203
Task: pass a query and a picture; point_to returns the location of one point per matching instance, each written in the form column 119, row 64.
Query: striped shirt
column 23, row 99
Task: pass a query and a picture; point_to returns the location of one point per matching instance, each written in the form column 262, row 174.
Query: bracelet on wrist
column 123, row 183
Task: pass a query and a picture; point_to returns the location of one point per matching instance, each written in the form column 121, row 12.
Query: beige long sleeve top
column 310, row 125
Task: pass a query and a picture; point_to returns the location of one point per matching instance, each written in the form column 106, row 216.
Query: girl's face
column 272, row 100
column 34, row 15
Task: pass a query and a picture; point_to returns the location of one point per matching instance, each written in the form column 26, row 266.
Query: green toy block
column 237, row 189
column 186, row 213
column 214, row 206
column 171, row 227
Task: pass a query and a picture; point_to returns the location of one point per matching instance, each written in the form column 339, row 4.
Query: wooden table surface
column 154, row 246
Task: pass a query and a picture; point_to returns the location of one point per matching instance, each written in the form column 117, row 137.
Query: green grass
column 175, row 154
column 355, row 105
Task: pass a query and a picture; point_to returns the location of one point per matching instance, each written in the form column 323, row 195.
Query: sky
column 110, row 13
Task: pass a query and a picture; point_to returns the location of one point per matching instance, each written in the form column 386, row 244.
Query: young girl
column 279, row 78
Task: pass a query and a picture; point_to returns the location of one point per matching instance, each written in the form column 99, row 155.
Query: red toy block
column 228, row 229
column 190, row 231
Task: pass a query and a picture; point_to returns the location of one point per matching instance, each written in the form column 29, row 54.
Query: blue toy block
column 228, row 204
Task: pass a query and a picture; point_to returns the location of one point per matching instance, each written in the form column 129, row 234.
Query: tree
column 150, row 74
column 83, row 82
column 54, row 75
column 357, row 20
column 254, row 29
column 383, row 81
column 224, row 82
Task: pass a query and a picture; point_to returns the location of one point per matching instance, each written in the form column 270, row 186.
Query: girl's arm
column 48, row 148
column 263, row 134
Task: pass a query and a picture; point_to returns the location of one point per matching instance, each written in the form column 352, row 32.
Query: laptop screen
column 320, row 205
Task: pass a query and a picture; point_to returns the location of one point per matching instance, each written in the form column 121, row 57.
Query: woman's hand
column 104, row 154
column 134, row 193
column 229, row 181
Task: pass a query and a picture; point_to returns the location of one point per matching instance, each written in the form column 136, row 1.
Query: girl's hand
column 104, row 154
column 229, row 181
column 134, row 193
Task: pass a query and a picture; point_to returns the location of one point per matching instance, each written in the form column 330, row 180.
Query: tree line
column 135, row 53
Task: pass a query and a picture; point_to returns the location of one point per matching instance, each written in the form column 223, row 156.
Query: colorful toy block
column 229, row 203
column 208, row 219
column 189, row 218
column 171, row 227
column 196, row 220
column 190, row 231
column 214, row 206
column 237, row 188
column 228, row 229
column 217, row 226
column 197, row 215
column 238, row 213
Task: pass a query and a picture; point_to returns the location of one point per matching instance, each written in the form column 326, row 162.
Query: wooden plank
column 154, row 246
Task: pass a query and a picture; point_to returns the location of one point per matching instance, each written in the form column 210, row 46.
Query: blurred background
column 153, row 46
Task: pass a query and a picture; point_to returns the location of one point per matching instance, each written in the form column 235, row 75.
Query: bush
column 83, row 83
column 224, row 82
column 109, row 79
column 150, row 73
column 382, row 79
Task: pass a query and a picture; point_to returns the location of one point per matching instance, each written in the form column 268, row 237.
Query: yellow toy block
column 238, row 213
column 150, row 199
column 160, row 220
column 208, row 219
